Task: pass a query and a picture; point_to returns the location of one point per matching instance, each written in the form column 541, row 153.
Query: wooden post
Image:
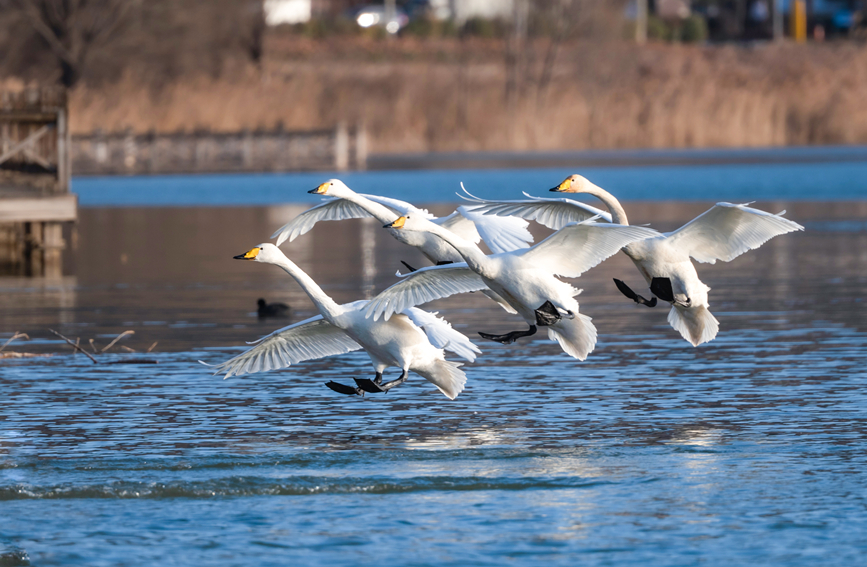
column 52, row 249
column 341, row 147
column 63, row 168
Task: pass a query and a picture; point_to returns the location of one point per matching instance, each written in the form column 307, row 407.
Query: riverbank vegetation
column 578, row 86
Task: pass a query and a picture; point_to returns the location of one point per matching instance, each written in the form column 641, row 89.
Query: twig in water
column 17, row 335
column 77, row 340
column 152, row 346
column 22, row 355
column 75, row 346
column 93, row 346
column 127, row 349
column 117, row 338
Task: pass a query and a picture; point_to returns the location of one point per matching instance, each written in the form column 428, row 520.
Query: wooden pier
column 35, row 201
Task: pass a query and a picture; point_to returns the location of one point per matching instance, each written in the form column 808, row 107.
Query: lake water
column 749, row 450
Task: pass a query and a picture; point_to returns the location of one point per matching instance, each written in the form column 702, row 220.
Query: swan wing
column 310, row 339
column 500, row 233
column 461, row 225
column 421, row 286
column 553, row 213
column 726, row 231
column 332, row 209
column 340, row 209
column 576, row 248
column 441, row 334
column 399, row 207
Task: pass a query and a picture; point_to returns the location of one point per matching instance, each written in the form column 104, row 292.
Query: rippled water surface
column 747, row 451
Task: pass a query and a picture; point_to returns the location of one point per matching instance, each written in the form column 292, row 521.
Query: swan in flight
column 411, row 340
column 501, row 234
column 722, row 233
column 526, row 279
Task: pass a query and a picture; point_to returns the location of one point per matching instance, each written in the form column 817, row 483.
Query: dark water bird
column 272, row 309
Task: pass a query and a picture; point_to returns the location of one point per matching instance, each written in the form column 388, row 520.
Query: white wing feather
column 421, row 286
column 500, row 233
column 726, row 231
column 400, row 207
column 332, row 209
column 576, row 248
column 310, row 339
column 461, row 225
column 340, row 209
column 441, row 334
column 553, row 213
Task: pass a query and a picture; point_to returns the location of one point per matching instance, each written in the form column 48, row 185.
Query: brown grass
column 448, row 95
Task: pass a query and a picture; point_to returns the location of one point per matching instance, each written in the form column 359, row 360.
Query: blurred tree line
column 66, row 40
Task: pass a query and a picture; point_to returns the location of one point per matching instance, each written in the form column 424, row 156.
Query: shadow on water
column 747, row 450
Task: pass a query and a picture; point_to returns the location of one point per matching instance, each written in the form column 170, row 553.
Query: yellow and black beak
column 251, row 255
column 321, row 190
column 396, row 224
column 563, row 187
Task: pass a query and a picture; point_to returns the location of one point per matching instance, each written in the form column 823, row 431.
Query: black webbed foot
column 368, row 385
column 509, row 338
column 627, row 291
column 547, row 315
column 408, row 267
column 661, row 287
column 344, row 389
column 376, row 386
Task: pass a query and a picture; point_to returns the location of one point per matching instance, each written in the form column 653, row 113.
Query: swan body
column 525, row 279
column 412, row 340
column 724, row 232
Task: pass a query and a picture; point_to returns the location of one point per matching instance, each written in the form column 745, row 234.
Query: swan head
column 266, row 252
column 332, row 188
column 412, row 222
column 573, row 184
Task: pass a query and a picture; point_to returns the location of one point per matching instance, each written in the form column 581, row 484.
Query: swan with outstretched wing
column 526, row 279
column 722, row 233
column 412, row 340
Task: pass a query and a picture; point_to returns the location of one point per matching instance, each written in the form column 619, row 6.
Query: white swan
column 501, row 234
column 722, row 233
column 412, row 340
column 526, row 279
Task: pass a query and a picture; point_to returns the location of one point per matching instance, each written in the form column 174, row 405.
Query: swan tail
column 577, row 336
column 695, row 324
column 445, row 375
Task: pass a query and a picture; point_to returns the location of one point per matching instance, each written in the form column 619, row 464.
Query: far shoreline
column 616, row 158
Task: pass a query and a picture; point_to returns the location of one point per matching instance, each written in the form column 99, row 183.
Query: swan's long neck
column 379, row 212
column 471, row 254
column 618, row 215
column 326, row 306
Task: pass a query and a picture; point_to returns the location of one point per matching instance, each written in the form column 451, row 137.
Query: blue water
column 750, row 450
column 734, row 183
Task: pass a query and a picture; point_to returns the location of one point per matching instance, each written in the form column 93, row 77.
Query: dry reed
column 451, row 97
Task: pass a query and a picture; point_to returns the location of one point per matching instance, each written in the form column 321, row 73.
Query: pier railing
column 35, row 202
column 128, row 153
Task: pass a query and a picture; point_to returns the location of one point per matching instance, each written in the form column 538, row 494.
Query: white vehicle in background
column 378, row 15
